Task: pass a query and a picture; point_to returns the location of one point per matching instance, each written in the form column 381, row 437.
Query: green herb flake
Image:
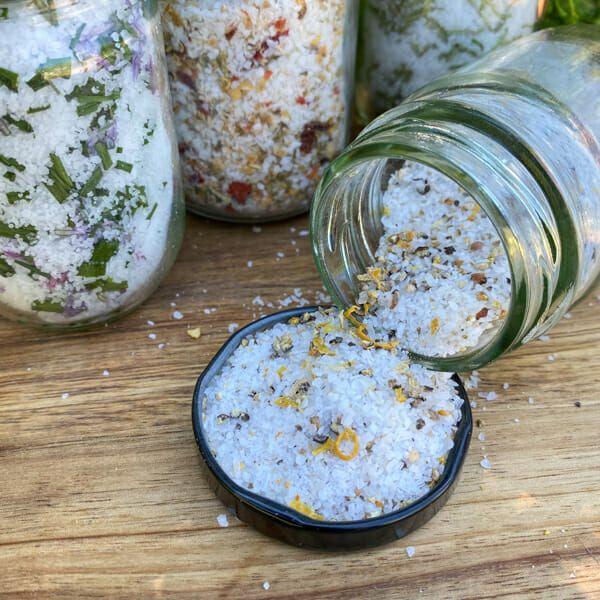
column 47, row 306
column 124, row 166
column 54, row 68
column 108, row 285
column 92, row 182
column 37, row 109
column 21, row 124
column 30, row 266
column 27, row 233
column 9, row 79
column 62, row 185
column 104, row 155
column 152, row 211
column 104, row 250
column 7, row 161
column 14, row 197
column 5, row 269
column 3, row 13
column 10, row 175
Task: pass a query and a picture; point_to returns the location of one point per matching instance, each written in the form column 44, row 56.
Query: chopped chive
column 104, row 250
column 14, row 197
column 27, row 233
column 11, row 162
column 152, row 211
column 76, row 38
column 33, row 270
column 5, row 269
column 52, row 69
column 9, row 79
column 119, row 149
column 37, row 109
column 62, row 185
column 10, row 175
column 21, row 124
column 47, row 306
column 92, row 182
column 107, row 285
column 124, row 166
column 104, row 155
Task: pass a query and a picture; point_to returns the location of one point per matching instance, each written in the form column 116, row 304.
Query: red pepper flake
column 239, row 191
column 234, row 78
column 231, row 31
column 308, row 136
column 280, row 24
column 482, row 313
column 301, row 100
column 186, row 78
column 268, row 74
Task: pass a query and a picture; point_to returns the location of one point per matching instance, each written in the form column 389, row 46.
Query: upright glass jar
column 405, row 44
column 519, row 131
column 262, row 98
column 91, row 209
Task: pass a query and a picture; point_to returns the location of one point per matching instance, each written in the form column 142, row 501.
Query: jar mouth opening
column 494, row 341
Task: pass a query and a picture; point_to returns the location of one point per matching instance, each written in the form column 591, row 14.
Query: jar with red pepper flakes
column 262, row 95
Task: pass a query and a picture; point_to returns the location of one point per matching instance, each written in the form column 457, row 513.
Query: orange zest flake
column 375, row 275
column 305, row 509
column 444, row 413
column 327, row 327
column 287, row 402
column 400, row 395
column 281, row 371
column 361, row 332
column 349, row 314
column 319, row 347
column 347, row 435
column 327, row 446
column 442, row 460
column 474, row 212
column 434, row 326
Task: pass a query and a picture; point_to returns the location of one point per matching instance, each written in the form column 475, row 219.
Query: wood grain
column 101, row 494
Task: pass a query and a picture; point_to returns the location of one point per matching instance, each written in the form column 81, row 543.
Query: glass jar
column 405, row 44
column 262, row 96
column 519, row 131
column 91, row 209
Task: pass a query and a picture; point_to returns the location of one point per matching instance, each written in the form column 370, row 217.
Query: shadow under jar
column 262, row 97
column 91, row 209
column 519, row 131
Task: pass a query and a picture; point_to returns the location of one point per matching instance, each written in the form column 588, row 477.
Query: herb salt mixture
column 86, row 171
column 442, row 279
column 261, row 99
column 311, row 414
column 407, row 43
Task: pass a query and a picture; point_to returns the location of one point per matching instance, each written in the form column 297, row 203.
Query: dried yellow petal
column 194, row 333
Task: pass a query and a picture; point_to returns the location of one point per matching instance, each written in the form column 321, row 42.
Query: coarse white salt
column 530, row 400
column 481, row 437
column 161, row 346
column 105, row 373
column 257, row 229
column 266, row 586
column 151, row 323
column 223, row 521
column 485, row 463
column 65, row 396
column 280, row 255
column 250, row 264
column 232, row 327
column 152, row 336
column 177, row 315
column 304, row 233
column 552, row 357
column 505, row 386
column 544, row 338
column 410, row 551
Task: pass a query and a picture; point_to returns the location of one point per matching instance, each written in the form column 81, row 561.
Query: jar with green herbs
column 466, row 221
column 405, row 44
column 91, row 209
column 262, row 96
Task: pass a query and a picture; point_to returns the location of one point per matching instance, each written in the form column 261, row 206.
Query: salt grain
column 410, row 551
column 223, row 521
column 177, row 315
column 485, row 463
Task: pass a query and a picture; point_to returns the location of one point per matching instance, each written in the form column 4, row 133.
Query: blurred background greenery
column 568, row 12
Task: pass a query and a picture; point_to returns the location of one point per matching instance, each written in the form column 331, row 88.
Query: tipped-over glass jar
column 518, row 132
column 404, row 44
column 262, row 96
column 91, row 210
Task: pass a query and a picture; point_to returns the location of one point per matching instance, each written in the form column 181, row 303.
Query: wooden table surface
column 101, row 494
